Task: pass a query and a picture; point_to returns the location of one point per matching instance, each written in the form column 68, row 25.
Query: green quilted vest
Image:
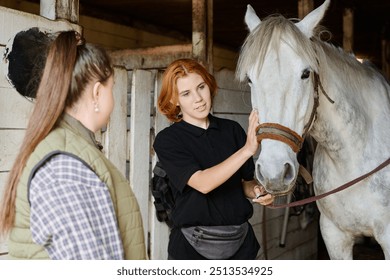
column 71, row 137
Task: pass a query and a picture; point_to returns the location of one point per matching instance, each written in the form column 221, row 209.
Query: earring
column 95, row 104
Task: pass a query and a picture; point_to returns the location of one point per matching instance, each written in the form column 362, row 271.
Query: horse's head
column 280, row 64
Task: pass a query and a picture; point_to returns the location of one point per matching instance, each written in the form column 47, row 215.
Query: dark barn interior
column 371, row 19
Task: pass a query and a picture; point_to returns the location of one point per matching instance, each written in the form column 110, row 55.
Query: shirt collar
column 80, row 129
column 198, row 131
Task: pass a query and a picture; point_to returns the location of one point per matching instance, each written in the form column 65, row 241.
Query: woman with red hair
column 209, row 162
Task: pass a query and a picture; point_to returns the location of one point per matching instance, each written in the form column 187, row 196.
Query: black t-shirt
column 184, row 149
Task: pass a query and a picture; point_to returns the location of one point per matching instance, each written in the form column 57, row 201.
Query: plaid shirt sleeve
column 72, row 214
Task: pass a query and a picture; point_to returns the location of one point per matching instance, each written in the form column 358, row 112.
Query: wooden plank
column 117, row 36
column 3, row 178
column 60, row 9
column 199, row 31
column 142, row 86
column 226, row 80
column 150, row 58
column 232, row 97
column 3, row 69
column 115, row 138
column 241, row 119
column 108, row 39
column 15, row 110
column 348, row 24
column 3, row 250
column 232, row 101
column 10, row 142
column 305, row 7
column 13, row 21
column 159, row 231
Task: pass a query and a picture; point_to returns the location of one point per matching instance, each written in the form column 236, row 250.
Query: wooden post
column 304, row 7
column 202, row 31
column 60, row 9
column 210, row 35
column 348, row 19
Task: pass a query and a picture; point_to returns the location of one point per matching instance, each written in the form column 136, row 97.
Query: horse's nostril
column 259, row 176
column 288, row 175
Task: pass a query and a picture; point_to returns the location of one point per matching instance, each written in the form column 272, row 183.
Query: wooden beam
column 202, row 32
column 304, row 7
column 199, row 30
column 210, row 35
column 60, row 9
column 150, row 58
column 348, row 22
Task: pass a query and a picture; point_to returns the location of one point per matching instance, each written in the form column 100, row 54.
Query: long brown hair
column 70, row 66
column 169, row 94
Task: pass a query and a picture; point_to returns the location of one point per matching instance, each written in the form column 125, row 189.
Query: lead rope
column 342, row 187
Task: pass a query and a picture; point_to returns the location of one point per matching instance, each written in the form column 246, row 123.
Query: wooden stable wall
column 129, row 136
column 15, row 109
column 113, row 36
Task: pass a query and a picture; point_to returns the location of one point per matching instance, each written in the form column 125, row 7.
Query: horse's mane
column 320, row 54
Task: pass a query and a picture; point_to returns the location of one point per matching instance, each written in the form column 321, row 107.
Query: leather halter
column 281, row 133
column 295, row 141
column 284, row 134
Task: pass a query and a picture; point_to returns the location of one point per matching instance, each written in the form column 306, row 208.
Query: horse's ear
column 309, row 22
column 251, row 19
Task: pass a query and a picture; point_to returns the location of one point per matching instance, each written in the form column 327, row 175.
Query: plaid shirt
column 72, row 214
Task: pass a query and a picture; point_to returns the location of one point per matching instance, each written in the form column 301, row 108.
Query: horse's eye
column 305, row 74
column 249, row 80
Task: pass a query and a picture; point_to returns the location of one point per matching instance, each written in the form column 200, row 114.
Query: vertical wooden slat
column 202, row 32
column 199, row 30
column 14, row 109
column 348, row 22
column 304, row 7
column 115, row 139
column 210, row 36
column 141, row 87
column 159, row 231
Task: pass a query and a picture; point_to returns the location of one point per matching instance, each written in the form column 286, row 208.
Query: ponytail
column 50, row 103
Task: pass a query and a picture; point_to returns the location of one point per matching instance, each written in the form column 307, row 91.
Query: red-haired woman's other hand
column 262, row 197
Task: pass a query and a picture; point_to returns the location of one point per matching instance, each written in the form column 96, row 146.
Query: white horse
column 303, row 86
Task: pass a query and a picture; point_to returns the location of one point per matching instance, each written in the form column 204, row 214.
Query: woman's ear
column 95, row 91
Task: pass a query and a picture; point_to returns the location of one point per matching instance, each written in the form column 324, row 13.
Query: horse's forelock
column 272, row 31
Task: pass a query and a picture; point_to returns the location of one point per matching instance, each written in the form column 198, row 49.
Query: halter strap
column 281, row 133
column 284, row 134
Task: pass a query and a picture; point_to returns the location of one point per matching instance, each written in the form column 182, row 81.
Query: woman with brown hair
column 64, row 199
column 209, row 162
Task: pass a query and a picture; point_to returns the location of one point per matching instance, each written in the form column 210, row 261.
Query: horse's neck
column 356, row 122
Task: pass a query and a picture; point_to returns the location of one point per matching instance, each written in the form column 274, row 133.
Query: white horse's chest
column 358, row 208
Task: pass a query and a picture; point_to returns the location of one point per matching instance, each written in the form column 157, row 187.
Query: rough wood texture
column 156, row 57
column 141, row 90
column 60, row 9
